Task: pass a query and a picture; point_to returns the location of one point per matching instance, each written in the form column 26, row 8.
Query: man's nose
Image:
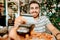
column 34, row 10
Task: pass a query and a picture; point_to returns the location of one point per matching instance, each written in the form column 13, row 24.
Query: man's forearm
column 53, row 29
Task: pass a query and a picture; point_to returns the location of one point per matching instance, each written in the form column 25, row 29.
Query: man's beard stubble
column 36, row 13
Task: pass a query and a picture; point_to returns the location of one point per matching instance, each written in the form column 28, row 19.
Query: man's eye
column 36, row 7
column 31, row 8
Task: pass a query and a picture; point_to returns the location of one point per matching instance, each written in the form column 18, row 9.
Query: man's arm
column 54, row 30
column 12, row 33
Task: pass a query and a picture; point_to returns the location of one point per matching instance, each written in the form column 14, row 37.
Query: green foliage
column 55, row 19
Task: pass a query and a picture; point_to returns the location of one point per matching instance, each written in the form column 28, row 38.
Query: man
column 2, row 16
column 41, row 22
column 3, row 28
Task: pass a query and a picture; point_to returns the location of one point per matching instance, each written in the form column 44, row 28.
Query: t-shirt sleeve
column 47, row 21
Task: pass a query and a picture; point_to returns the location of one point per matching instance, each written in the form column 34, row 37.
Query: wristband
column 57, row 34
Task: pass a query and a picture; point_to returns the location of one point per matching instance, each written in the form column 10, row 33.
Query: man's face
column 1, row 8
column 34, row 10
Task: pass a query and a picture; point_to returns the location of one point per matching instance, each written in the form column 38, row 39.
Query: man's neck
column 36, row 18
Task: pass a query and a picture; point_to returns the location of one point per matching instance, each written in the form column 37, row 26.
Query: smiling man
column 42, row 23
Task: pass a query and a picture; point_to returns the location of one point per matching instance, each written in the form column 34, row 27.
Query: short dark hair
column 34, row 2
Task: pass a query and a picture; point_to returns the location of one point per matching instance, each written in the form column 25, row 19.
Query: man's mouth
column 34, row 12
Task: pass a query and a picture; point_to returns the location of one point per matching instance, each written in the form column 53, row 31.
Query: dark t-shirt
column 2, row 20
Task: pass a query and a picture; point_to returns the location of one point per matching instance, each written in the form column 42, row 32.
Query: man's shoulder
column 43, row 17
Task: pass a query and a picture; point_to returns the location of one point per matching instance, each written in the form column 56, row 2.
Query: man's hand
column 13, row 34
column 17, row 22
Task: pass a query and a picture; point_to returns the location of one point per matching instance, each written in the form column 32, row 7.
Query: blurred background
column 12, row 9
